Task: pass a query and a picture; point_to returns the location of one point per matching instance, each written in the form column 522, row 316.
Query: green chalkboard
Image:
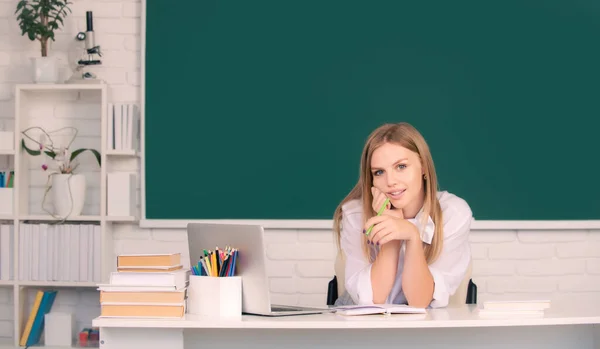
column 260, row 109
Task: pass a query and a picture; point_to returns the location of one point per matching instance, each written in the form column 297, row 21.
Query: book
column 6, row 252
column 178, row 279
column 378, row 309
column 121, row 201
column 148, row 260
column 149, row 269
column 38, row 323
column 111, row 126
column 118, row 124
column 508, row 314
column 32, row 315
column 159, row 310
column 139, row 288
column 522, row 305
column 142, row 297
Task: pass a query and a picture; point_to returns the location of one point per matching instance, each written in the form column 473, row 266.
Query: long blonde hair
column 407, row 136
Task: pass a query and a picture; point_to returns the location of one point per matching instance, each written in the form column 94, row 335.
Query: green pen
column 387, row 200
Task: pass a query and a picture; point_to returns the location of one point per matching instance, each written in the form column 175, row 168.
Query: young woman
column 417, row 252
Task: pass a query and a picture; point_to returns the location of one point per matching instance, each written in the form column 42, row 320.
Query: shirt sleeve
column 450, row 268
column 358, row 268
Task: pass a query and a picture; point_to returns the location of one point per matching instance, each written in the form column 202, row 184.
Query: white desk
column 562, row 326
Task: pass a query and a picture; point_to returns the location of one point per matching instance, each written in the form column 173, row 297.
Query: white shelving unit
column 26, row 97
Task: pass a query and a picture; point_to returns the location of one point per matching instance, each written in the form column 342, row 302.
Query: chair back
column 460, row 296
column 339, row 269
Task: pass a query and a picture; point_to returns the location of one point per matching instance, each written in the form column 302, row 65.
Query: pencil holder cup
column 6, row 201
column 215, row 297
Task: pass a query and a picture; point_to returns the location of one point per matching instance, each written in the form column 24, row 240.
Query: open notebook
column 378, row 309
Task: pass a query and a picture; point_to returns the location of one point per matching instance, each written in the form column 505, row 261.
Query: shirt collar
column 427, row 231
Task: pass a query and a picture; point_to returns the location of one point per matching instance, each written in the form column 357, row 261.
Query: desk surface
column 466, row 316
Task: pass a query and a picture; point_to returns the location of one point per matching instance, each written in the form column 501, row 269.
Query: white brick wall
column 506, row 264
column 554, row 264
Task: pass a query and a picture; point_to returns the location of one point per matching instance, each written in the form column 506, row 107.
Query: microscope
column 82, row 72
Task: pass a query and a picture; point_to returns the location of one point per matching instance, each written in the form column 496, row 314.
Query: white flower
column 43, row 141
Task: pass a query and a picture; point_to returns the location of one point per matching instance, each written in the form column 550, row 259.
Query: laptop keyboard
column 283, row 308
column 280, row 308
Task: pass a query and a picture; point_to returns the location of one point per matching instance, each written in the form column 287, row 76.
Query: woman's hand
column 389, row 227
column 378, row 200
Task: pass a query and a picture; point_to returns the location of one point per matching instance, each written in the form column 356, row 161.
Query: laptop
column 251, row 264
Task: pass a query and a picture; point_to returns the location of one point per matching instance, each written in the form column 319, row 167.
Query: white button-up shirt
column 448, row 270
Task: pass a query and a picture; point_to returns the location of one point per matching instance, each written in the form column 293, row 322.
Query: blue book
column 38, row 323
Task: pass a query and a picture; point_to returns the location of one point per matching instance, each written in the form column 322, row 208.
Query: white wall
column 507, row 264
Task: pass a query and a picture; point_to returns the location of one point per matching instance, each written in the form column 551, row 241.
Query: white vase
column 45, row 70
column 68, row 194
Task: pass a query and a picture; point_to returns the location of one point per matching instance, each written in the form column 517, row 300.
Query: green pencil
column 387, row 200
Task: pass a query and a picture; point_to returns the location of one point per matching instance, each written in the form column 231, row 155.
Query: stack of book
column 123, row 126
column 145, row 285
column 515, row 308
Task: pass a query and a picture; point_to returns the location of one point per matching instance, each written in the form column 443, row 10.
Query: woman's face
column 397, row 172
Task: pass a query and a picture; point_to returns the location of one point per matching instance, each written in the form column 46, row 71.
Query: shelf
column 72, row 219
column 50, row 218
column 81, row 105
column 121, row 219
column 60, row 87
column 57, row 283
column 113, row 152
column 56, row 347
column 50, row 347
column 9, row 344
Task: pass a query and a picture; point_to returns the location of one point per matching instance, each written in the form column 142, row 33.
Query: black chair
column 471, row 293
column 332, row 292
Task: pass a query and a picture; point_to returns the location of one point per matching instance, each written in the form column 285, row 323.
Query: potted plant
column 68, row 187
column 38, row 19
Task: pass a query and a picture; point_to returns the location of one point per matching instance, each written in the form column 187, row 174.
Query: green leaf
column 79, row 151
column 51, row 154
column 31, row 12
column 20, row 5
